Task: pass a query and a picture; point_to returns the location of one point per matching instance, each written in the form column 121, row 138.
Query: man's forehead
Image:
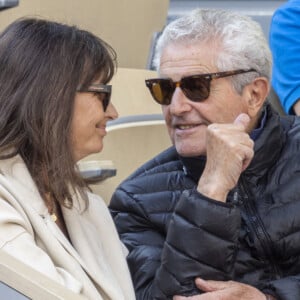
column 184, row 60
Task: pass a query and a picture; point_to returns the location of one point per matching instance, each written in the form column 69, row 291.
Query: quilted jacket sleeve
column 173, row 236
column 144, row 243
column 201, row 241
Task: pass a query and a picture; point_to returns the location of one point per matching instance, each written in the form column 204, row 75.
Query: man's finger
column 242, row 119
column 210, row 285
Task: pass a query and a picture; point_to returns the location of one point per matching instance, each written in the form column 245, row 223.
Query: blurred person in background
column 217, row 215
column 285, row 46
column 54, row 105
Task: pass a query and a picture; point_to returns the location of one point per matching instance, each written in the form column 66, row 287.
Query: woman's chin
column 86, row 152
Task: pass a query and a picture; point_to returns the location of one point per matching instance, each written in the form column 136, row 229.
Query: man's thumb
column 242, row 119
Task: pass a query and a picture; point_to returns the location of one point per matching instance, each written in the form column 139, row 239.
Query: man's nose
column 179, row 103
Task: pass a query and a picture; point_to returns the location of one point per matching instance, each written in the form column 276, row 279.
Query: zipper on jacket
column 259, row 228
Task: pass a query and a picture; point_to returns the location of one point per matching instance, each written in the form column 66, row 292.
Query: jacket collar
column 268, row 146
column 193, row 166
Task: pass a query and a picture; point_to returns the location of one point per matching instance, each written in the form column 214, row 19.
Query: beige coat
column 93, row 265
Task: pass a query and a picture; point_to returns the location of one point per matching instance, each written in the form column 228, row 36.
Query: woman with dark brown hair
column 54, row 105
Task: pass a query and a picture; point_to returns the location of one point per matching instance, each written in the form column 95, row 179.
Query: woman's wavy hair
column 237, row 41
column 42, row 64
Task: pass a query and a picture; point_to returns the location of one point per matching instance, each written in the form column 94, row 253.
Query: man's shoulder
column 291, row 125
column 161, row 178
column 162, row 175
column 291, row 141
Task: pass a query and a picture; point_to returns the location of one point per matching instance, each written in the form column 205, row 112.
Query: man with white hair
column 217, row 215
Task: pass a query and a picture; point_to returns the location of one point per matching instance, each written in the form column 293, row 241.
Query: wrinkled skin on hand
column 229, row 151
column 224, row 290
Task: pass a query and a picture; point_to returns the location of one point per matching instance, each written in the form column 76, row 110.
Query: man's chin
column 189, row 151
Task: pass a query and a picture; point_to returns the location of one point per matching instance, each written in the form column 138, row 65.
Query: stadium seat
column 128, row 145
column 130, row 94
column 127, row 25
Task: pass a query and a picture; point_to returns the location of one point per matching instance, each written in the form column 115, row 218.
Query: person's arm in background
column 285, row 46
column 296, row 107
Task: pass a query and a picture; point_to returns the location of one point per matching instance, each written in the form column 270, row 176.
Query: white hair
column 240, row 41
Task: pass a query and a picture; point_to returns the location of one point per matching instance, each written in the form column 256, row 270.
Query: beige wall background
column 128, row 25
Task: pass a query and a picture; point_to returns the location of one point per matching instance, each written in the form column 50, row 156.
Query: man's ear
column 256, row 94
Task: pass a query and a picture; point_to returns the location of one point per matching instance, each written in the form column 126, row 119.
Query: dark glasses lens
column 104, row 98
column 195, row 87
column 102, row 91
column 161, row 90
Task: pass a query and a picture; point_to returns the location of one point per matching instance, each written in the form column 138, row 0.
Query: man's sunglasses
column 194, row 87
column 102, row 91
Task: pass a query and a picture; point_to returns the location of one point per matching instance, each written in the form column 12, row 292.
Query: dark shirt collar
column 255, row 133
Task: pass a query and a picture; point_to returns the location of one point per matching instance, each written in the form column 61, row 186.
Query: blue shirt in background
column 285, row 46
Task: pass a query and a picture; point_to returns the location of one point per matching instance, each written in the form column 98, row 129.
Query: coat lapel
column 87, row 239
column 95, row 243
column 20, row 184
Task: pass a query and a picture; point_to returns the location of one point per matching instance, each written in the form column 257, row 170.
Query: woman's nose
column 111, row 111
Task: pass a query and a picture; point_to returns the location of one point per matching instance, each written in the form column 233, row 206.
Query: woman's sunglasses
column 102, row 91
column 194, row 87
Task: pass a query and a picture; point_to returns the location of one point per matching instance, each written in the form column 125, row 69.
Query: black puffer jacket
column 175, row 234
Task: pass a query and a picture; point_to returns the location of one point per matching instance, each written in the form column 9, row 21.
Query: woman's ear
column 257, row 92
